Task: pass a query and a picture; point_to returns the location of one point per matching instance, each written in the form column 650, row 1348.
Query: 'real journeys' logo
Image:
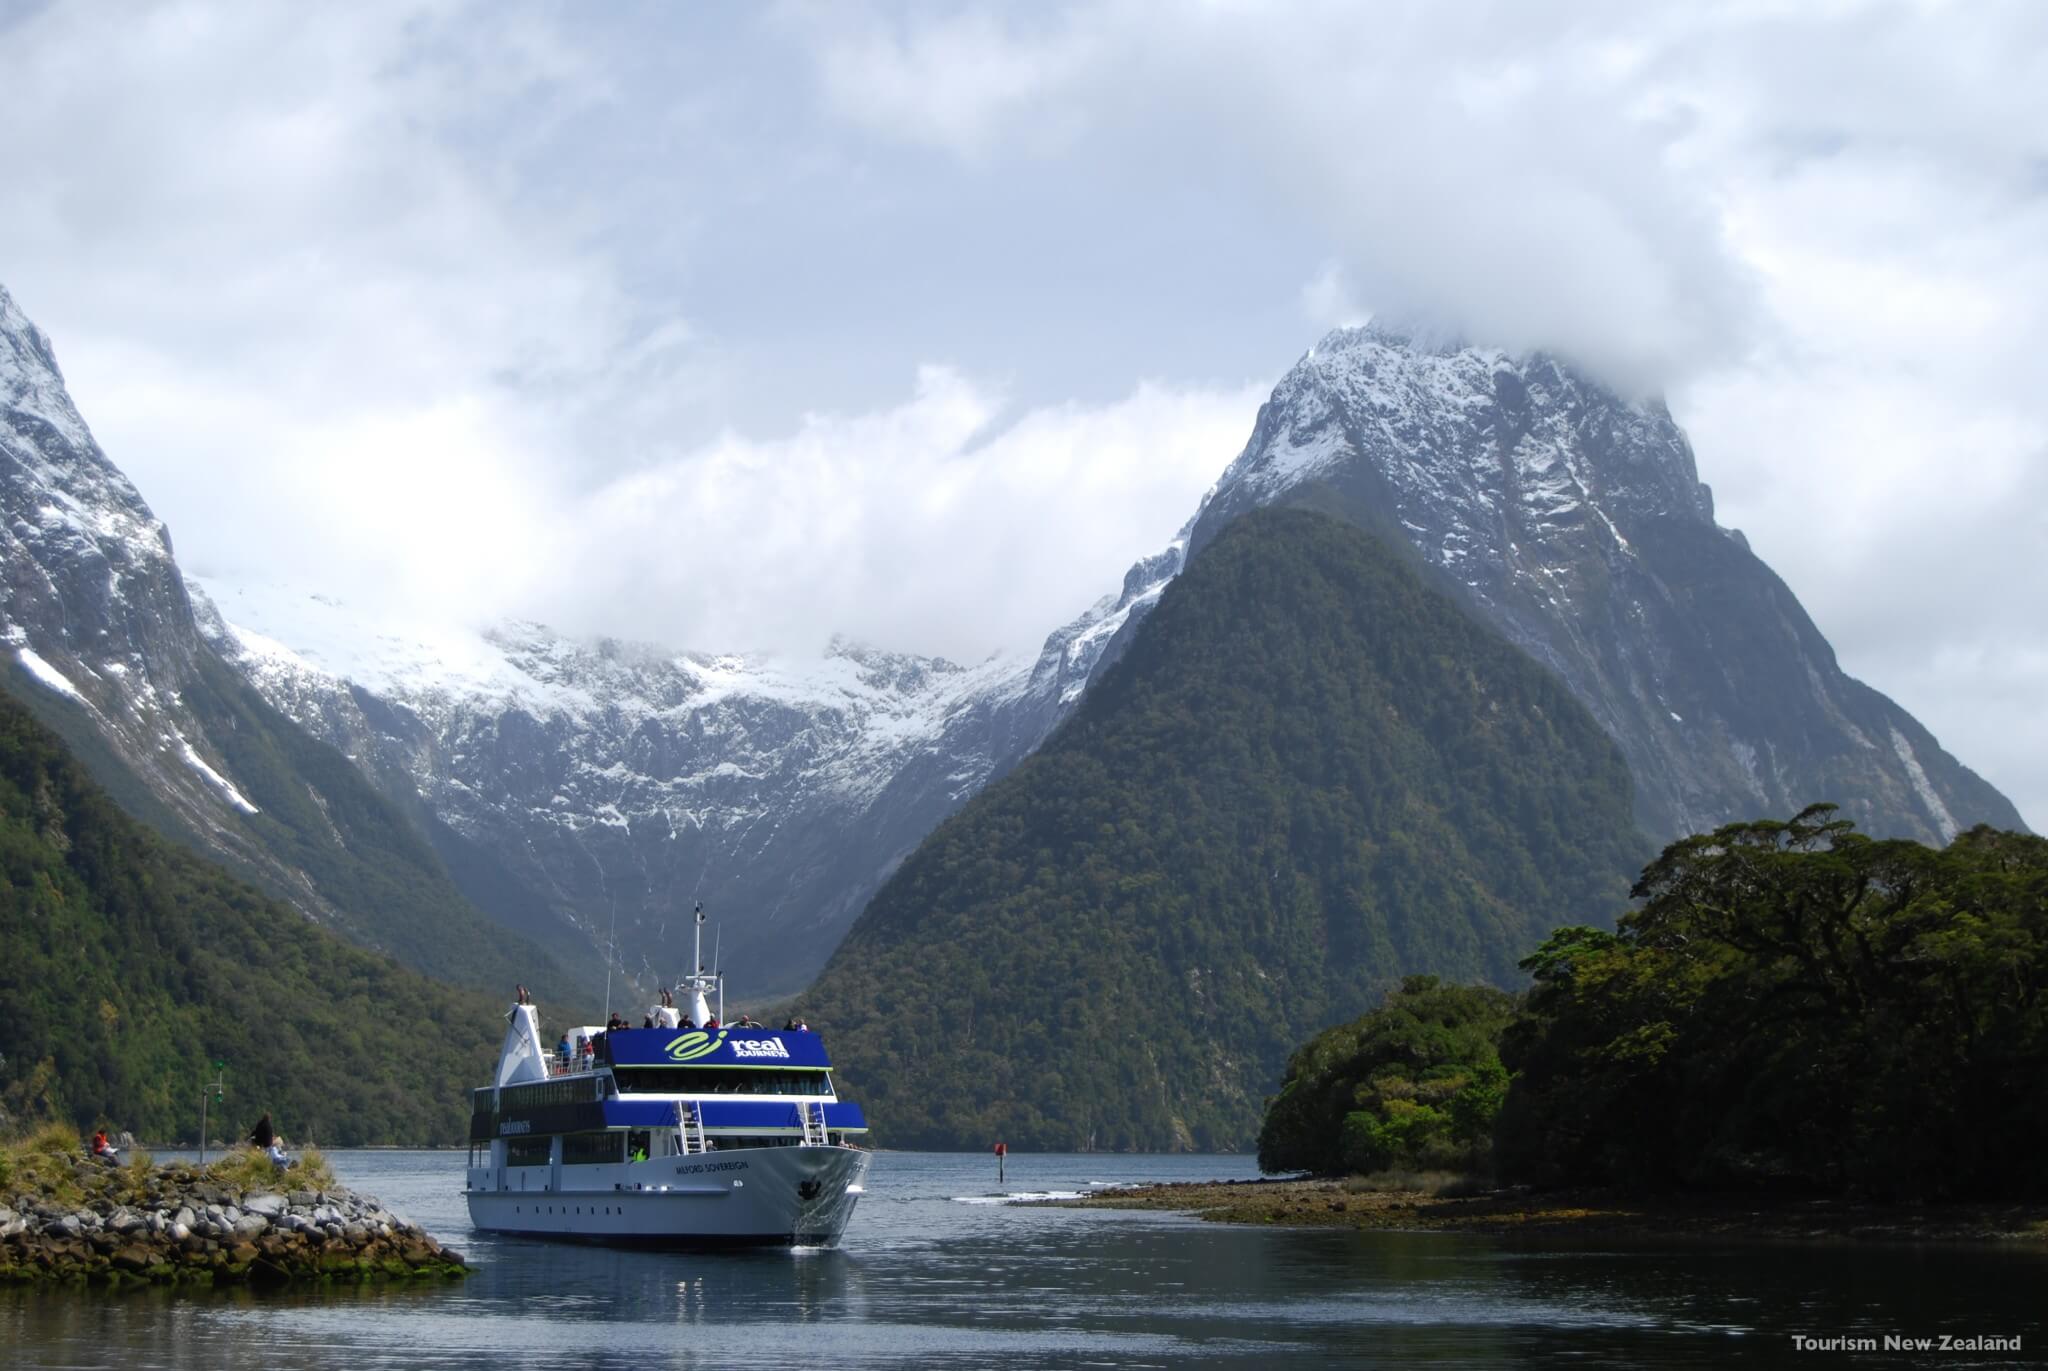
column 702, row 1043
column 691, row 1046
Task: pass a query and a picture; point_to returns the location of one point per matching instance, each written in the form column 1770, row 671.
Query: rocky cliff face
column 92, row 607
column 101, row 643
column 1575, row 523
column 607, row 787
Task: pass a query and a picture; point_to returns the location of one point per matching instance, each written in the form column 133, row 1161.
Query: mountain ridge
column 613, row 785
column 1309, row 775
column 104, row 648
column 1574, row 521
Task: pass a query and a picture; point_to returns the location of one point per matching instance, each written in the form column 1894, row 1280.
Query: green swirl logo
column 691, row 1046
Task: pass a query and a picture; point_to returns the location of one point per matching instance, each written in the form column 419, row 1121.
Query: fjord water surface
column 935, row 1272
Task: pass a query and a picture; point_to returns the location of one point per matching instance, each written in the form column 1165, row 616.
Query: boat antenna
column 697, row 948
column 611, row 954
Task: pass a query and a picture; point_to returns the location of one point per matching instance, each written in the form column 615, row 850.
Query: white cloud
column 488, row 309
column 940, row 524
column 1488, row 168
column 1827, row 228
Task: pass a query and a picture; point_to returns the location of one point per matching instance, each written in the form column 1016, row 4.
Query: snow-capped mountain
column 101, row 644
column 608, row 787
column 1575, row 522
column 588, row 793
column 91, row 604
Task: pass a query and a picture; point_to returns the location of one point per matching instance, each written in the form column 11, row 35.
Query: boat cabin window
column 719, row 1080
column 760, row 1140
column 581, row 1149
column 528, row 1151
column 639, row 1145
column 576, row 1090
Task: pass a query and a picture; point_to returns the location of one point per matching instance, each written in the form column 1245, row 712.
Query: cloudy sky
column 737, row 326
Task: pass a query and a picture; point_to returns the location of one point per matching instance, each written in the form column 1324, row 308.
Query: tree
column 1797, row 1004
column 1414, row 1083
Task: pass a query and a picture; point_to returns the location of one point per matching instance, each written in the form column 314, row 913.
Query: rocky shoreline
column 86, row 1222
column 1326, row 1203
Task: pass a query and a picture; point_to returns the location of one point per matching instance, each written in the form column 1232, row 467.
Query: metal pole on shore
column 217, row 1087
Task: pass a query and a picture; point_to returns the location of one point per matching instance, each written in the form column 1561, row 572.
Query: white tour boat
column 679, row 1135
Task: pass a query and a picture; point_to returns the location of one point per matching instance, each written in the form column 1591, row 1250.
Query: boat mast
column 697, row 980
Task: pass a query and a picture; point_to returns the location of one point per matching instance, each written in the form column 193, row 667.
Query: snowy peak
column 605, row 777
column 31, row 387
column 1575, row 522
column 1522, row 440
column 91, row 603
column 278, row 632
column 80, row 547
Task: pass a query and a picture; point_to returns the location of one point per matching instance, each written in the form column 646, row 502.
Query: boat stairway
column 690, row 1130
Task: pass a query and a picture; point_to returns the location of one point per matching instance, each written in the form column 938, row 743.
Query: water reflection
column 928, row 1281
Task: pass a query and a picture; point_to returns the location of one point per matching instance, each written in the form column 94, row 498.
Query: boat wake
column 1019, row 1197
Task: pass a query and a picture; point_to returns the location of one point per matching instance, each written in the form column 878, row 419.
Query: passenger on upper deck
column 746, row 1020
column 562, row 1051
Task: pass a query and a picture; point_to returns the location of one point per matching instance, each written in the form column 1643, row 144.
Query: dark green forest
column 1793, row 1007
column 1309, row 776
column 131, row 964
column 1796, row 1004
column 1414, row 1083
column 320, row 820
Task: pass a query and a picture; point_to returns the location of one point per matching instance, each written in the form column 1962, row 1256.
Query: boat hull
column 746, row 1197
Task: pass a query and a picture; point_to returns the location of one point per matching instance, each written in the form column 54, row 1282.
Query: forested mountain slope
column 1308, row 776
column 102, row 645
column 131, row 965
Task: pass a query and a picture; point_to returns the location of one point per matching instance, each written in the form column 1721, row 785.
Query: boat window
column 541, row 1095
column 528, row 1151
column 719, row 1080
column 582, row 1149
column 757, row 1140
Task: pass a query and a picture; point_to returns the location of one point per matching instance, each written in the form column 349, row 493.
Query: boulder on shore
column 177, row 1224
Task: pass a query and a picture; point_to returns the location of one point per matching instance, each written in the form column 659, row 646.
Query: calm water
column 934, row 1273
